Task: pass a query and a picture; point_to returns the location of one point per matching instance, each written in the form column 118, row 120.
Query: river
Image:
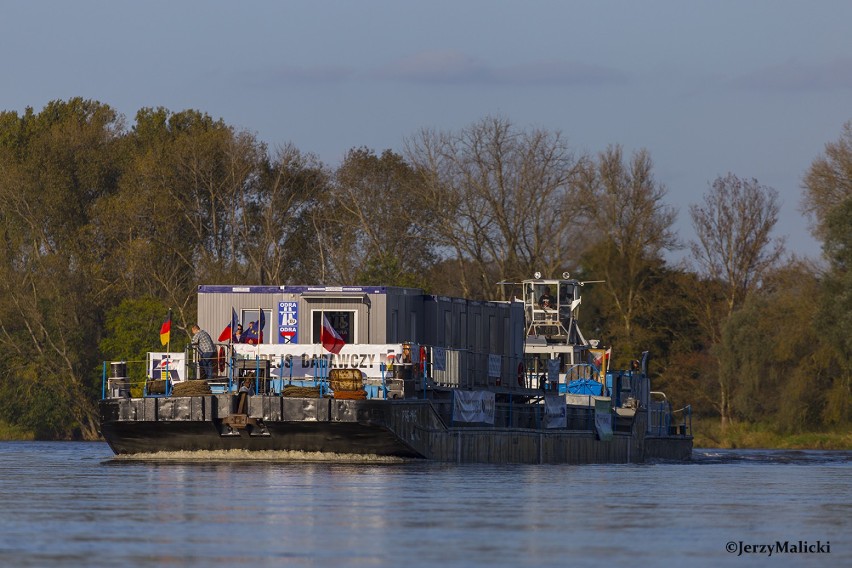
column 75, row 504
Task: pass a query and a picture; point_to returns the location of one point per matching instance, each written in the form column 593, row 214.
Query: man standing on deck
column 203, row 343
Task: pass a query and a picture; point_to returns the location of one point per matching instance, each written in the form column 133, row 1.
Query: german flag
column 166, row 329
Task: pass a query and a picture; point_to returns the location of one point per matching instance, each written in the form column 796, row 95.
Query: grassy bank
column 709, row 434
column 10, row 432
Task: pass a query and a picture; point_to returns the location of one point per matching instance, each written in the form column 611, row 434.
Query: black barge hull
column 400, row 428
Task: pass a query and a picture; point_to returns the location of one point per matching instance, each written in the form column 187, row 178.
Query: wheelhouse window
column 343, row 323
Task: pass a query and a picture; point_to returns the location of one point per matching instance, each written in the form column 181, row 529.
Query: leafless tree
column 734, row 229
column 368, row 205
column 735, row 247
column 500, row 199
column 630, row 223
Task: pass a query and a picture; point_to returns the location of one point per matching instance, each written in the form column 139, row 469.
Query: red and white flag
column 329, row 337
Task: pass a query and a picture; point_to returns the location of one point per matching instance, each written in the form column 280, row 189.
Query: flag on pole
column 253, row 334
column 329, row 337
column 166, row 329
column 230, row 329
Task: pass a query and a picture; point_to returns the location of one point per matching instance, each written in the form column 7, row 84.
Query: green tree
column 828, row 182
column 734, row 246
column 828, row 199
column 834, row 317
column 54, row 166
column 768, row 349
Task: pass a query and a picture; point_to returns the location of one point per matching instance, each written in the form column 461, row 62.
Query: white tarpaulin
column 473, row 406
column 555, row 411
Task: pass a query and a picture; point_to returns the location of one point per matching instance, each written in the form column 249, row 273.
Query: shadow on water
column 700, row 456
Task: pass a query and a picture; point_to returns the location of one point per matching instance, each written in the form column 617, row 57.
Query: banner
column 167, row 365
column 603, row 418
column 553, row 366
column 288, row 322
column 494, row 366
column 439, row 359
column 302, row 361
column 555, row 411
column 473, row 406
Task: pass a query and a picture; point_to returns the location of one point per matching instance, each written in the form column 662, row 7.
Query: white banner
column 473, row 406
column 301, row 361
column 555, row 411
column 167, row 365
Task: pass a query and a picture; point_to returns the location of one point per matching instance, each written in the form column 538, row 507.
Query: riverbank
column 10, row 433
column 709, row 434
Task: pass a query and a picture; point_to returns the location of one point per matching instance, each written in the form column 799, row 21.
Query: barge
column 387, row 371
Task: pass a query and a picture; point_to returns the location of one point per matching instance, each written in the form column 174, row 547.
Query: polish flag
column 329, row 337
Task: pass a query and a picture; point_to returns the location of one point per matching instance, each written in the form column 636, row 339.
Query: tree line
column 107, row 225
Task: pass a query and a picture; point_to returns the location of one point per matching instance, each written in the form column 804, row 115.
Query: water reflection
column 76, row 504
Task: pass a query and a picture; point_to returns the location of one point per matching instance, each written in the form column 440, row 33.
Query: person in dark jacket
column 206, row 350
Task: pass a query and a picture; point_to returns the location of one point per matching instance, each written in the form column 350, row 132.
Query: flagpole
column 168, row 357
column 233, row 328
column 259, row 331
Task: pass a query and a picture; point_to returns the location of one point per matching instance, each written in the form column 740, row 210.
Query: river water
column 75, row 504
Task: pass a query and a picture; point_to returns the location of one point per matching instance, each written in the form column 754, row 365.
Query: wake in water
column 793, row 457
column 257, row 456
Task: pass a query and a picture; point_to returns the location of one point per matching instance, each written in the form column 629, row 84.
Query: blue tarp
column 585, row 386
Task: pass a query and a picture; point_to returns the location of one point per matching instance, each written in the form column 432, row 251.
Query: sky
column 754, row 88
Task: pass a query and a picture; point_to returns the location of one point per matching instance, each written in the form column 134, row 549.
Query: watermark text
column 740, row 547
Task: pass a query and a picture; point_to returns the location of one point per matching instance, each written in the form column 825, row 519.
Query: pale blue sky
column 756, row 88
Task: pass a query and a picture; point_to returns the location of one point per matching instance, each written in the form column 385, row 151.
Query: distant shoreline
column 709, row 434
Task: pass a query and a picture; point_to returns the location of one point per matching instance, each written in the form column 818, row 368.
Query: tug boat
column 395, row 372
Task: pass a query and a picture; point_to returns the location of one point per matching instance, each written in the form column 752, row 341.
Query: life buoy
column 520, row 374
column 221, row 359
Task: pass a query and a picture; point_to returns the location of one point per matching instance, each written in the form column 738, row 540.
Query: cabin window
column 566, row 294
column 249, row 321
column 343, row 323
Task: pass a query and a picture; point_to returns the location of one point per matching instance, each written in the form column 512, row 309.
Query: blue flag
column 254, row 333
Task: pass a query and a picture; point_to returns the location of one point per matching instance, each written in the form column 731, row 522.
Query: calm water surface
column 75, row 504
